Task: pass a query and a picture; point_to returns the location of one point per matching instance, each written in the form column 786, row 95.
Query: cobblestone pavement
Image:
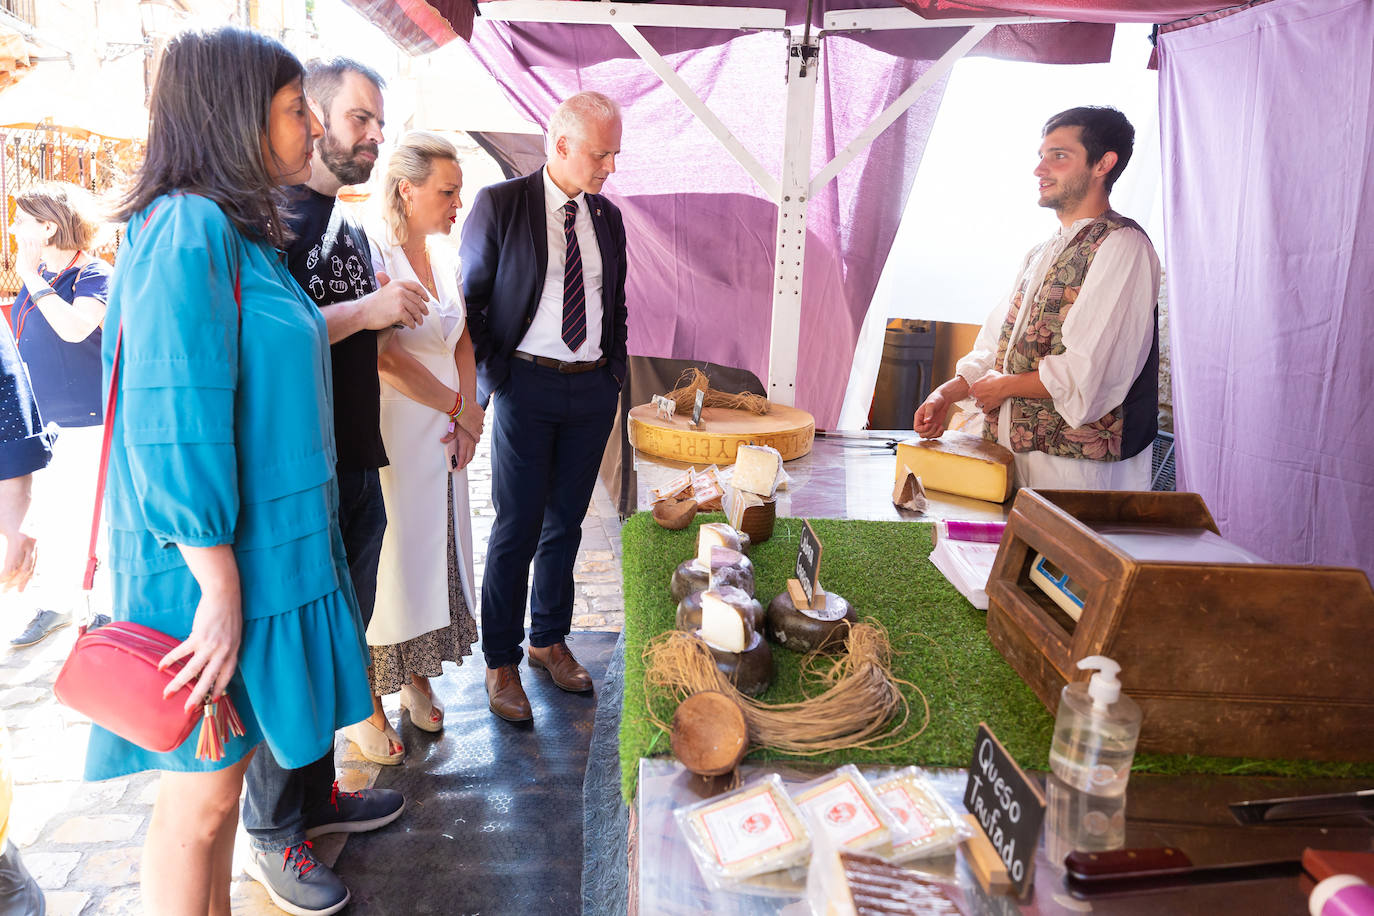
column 82, row 841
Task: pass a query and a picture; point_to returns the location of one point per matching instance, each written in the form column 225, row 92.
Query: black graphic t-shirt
column 331, row 260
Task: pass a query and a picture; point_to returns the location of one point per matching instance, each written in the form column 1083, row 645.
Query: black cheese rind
column 751, row 671
column 689, row 613
column 691, row 576
column 807, row 631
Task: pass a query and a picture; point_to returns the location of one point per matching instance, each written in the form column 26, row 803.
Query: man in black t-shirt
column 330, row 259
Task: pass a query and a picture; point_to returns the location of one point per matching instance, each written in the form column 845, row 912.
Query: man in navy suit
column 544, row 278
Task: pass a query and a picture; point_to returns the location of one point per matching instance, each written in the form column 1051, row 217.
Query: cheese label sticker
column 746, row 829
column 847, row 817
column 905, row 809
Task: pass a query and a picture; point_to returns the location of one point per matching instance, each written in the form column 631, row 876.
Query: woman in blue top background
column 57, row 316
column 222, row 502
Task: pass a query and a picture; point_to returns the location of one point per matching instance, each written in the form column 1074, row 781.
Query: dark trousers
column 279, row 803
column 548, row 434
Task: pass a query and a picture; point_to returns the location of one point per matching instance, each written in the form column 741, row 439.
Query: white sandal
column 375, row 743
column 425, row 714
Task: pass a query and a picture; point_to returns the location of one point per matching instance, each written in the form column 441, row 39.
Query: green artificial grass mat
column 939, row 642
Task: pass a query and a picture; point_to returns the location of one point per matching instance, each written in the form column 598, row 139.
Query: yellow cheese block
column 959, row 463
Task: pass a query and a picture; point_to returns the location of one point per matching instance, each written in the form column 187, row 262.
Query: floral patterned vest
column 1125, row 430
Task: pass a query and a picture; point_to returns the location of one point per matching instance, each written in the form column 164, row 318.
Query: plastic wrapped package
column 853, row 816
column 749, row 831
column 931, row 825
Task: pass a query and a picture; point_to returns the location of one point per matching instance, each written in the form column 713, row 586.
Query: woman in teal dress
column 222, row 503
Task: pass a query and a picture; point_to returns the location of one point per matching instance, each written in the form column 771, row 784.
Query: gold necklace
column 427, row 278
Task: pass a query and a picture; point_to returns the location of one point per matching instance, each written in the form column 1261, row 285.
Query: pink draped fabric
column 701, row 232
column 1267, row 140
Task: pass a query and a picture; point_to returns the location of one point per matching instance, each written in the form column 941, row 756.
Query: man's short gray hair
column 571, row 118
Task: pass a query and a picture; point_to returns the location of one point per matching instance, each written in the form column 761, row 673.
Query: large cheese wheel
column 959, row 463
column 751, row 671
column 689, row 610
column 802, row 630
column 692, row 576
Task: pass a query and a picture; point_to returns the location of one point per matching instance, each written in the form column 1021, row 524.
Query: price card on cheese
column 746, row 829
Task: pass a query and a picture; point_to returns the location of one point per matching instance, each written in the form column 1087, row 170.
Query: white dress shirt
column 1107, row 338
column 545, row 334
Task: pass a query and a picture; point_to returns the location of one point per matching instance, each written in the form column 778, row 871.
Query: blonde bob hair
column 412, row 161
column 71, row 208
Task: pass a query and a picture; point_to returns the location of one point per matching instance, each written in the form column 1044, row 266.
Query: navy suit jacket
column 505, row 254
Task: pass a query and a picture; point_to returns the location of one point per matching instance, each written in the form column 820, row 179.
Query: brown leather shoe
column 559, row 662
column 505, row 695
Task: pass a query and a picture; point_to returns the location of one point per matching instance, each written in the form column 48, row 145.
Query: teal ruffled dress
column 224, row 435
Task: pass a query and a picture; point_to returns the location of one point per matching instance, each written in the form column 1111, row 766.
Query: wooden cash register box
column 1226, row 656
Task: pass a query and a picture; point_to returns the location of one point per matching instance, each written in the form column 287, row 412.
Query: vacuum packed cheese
column 959, row 463
column 756, row 469
column 689, row 609
column 751, row 671
column 746, row 832
column 803, row 630
column 729, row 567
column 932, row 827
column 843, row 805
column 717, row 534
column 725, row 624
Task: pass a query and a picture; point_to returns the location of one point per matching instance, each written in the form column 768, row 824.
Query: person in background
column 57, row 317
column 328, row 257
column 431, row 423
column 546, row 309
column 221, row 502
column 1066, row 370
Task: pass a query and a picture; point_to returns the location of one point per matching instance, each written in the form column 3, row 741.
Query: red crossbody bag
column 112, row 673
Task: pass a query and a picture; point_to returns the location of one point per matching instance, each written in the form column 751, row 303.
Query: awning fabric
column 1149, row 11
column 419, row 26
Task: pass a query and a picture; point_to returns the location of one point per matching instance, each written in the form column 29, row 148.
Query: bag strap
column 92, row 561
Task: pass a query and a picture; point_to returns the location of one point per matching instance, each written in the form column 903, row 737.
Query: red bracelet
column 457, row 410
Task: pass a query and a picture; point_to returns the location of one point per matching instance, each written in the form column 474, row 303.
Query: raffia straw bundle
column 857, row 702
column 685, row 395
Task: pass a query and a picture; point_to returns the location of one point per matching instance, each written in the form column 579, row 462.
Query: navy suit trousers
column 549, row 431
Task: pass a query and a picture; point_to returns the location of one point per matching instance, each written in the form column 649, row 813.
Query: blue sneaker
column 297, row 882
column 355, row 812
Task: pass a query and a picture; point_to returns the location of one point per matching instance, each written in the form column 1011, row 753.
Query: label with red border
column 746, row 829
column 905, row 809
column 847, row 817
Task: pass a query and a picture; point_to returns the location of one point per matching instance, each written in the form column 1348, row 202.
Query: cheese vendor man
column 1065, row 370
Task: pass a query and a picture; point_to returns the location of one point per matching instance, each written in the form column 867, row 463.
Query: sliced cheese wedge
column 715, row 534
column 959, row 463
column 756, row 469
column 724, row 624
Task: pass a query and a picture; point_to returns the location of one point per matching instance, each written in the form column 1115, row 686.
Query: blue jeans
column 279, row 803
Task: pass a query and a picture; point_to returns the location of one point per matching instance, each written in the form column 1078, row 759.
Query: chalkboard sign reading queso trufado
column 1008, row 807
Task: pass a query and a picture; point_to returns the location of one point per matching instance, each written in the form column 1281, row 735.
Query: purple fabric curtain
column 1267, row 141
column 700, row 231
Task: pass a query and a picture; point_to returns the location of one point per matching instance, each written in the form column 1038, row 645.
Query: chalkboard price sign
column 1007, row 805
column 809, row 562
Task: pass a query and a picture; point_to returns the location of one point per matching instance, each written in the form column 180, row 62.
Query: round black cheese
column 803, row 630
column 751, row 671
column 692, row 576
column 689, row 611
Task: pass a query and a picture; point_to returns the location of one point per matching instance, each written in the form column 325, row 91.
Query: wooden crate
column 1226, row 659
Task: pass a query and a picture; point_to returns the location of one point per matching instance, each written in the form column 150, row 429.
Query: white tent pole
column 904, row 101
column 708, row 118
column 789, row 257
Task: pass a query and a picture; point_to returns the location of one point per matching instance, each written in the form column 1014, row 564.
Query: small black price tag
column 1007, row 805
column 809, row 562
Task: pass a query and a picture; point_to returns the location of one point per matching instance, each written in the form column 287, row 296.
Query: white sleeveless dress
column 413, row 594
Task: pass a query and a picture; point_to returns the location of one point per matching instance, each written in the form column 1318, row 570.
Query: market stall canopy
column 419, row 26
column 1150, row 11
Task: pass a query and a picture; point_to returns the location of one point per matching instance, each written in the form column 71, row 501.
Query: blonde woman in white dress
column 431, row 423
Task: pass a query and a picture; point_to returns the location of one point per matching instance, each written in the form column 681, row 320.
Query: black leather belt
column 560, row 365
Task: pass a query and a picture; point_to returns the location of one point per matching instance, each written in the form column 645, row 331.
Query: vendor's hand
column 212, row 647
column 397, row 302
column 459, row 451
column 990, row 391
column 932, row 416
column 21, row 555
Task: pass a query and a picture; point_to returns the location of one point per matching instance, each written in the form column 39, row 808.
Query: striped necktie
column 574, row 294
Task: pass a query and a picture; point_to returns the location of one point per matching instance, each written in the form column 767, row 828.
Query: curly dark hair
column 208, row 115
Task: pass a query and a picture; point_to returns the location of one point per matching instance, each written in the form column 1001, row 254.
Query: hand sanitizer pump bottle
column 1095, row 731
